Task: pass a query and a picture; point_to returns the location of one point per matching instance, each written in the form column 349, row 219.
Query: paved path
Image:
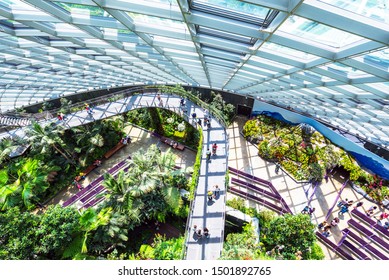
column 209, row 214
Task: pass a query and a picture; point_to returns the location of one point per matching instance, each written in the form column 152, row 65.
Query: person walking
column 214, row 148
column 216, row 190
column 206, row 232
column 371, row 210
column 208, row 154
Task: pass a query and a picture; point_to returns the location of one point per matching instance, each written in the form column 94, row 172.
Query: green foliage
column 264, row 216
column 23, row 187
column 295, row 233
column 55, row 231
column 170, row 249
column 315, row 252
column 241, row 246
column 251, row 129
column 196, row 167
column 28, row 236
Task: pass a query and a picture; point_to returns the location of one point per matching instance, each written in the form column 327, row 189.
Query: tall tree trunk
column 63, row 154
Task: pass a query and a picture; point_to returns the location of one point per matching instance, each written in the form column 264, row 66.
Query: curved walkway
column 203, row 213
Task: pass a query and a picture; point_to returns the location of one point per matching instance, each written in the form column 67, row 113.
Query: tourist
column 210, row 195
column 205, row 121
column 97, row 162
column 311, row 210
column 383, row 215
column 194, row 228
column 322, row 225
column 371, row 210
column 60, row 118
column 182, row 101
column 326, row 233
column 327, row 228
column 305, row 210
column 159, row 97
column 386, row 225
column 335, row 221
column 343, row 209
column 194, row 115
column 385, row 201
column 206, row 232
column 277, row 167
column 199, row 122
column 214, row 148
column 216, row 190
column 208, row 154
column 199, row 235
column 359, row 204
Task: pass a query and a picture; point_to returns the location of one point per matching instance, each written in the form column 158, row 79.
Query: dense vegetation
column 306, row 154
column 147, row 192
column 286, row 237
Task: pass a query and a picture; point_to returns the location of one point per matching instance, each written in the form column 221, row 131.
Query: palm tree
column 88, row 139
column 145, row 175
column 90, row 220
column 42, row 137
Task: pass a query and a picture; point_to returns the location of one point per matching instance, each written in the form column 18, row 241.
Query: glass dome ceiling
column 327, row 58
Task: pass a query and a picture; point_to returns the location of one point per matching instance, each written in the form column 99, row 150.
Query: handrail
column 191, row 205
column 97, row 101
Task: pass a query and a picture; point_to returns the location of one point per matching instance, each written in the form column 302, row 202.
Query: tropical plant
column 48, row 136
column 55, row 231
column 294, row 233
column 31, row 181
column 241, row 246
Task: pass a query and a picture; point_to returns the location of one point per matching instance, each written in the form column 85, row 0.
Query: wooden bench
column 363, row 217
column 114, row 150
column 172, row 143
column 361, row 255
column 333, row 246
column 360, row 228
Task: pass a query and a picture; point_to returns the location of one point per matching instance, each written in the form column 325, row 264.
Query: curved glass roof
column 326, row 58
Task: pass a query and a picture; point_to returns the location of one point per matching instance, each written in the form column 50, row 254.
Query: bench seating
column 354, row 236
column 361, row 255
column 243, row 194
column 363, row 217
column 170, row 142
column 379, row 241
column 367, row 246
column 375, row 252
column 360, row 228
column 333, row 246
column 382, row 230
column 112, row 151
column 255, row 188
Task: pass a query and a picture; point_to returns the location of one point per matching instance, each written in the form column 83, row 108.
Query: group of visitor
column 308, row 210
column 88, row 109
column 213, row 194
column 200, row 234
column 61, row 117
column 125, row 140
column 344, row 206
column 325, row 227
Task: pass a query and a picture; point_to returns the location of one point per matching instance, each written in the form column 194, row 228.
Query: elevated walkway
column 203, row 213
